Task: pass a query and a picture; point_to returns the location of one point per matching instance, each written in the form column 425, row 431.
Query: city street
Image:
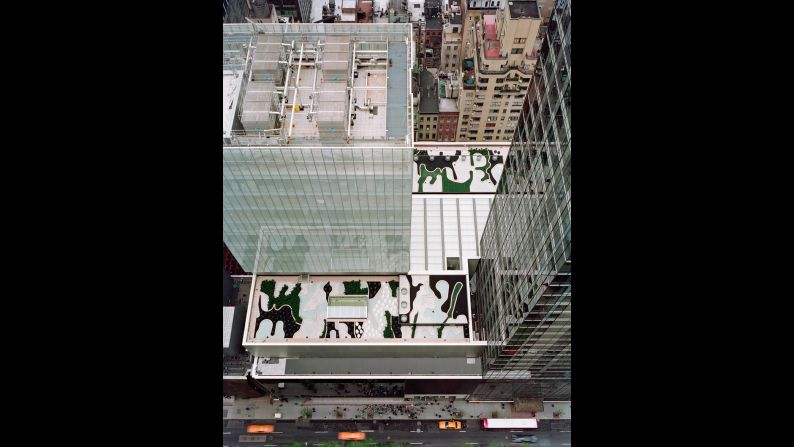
column 288, row 432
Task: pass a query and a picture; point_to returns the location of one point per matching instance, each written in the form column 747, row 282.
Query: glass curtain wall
column 524, row 289
column 318, row 210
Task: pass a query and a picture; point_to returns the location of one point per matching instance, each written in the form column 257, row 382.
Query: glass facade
column 317, row 164
column 318, row 210
column 523, row 301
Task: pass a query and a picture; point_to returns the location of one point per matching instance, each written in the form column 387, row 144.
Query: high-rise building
column 499, row 58
column 412, row 327
column 522, row 302
column 317, row 174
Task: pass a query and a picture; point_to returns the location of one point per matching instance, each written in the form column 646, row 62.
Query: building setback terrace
column 358, row 309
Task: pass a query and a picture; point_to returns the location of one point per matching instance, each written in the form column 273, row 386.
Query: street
column 287, row 432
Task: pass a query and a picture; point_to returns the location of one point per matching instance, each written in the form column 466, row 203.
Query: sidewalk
column 384, row 409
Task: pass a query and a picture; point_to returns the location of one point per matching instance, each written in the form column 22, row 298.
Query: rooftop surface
column 428, row 96
column 524, row 8
column 447, row 105
column 462, row 168
column 418, row 308
column 433, row 23
column 317, row 84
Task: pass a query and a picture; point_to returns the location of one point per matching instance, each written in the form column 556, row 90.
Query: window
column 453, row 263
column 516, row 51
column 517, row 41
column 416, row 6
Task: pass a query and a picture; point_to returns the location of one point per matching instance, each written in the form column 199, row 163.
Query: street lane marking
column 368, row 431
column 565, row 431
column 462, row 431
column 321, row 432
column 227, row 433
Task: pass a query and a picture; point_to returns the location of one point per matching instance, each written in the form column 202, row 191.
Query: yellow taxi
column 260, row 429
column 352, row 436
column 449, row 425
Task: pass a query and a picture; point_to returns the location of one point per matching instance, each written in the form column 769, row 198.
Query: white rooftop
column 447, row 105
column 333, row 84
column 360, row 309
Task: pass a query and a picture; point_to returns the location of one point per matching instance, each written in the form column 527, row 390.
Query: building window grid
column 559, row 213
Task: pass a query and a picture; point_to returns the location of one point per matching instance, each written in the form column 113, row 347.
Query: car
column 449, row 425
column 525, row 438
column 260, row 429
column 352, row 436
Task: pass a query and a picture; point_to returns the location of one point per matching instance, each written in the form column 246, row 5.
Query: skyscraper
column 523, row 291
column 499, row 56
column 317, row 163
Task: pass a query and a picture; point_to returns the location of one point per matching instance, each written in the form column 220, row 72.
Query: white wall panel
column 469, row 221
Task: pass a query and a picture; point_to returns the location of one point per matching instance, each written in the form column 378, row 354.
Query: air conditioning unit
column 304, row 277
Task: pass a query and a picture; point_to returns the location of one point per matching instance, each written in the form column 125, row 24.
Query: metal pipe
column 248, row 57
column 295, row 95
column 286, row 79
column 352, row 79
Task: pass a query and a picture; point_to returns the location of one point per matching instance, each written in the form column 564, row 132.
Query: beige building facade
column 498, row 59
